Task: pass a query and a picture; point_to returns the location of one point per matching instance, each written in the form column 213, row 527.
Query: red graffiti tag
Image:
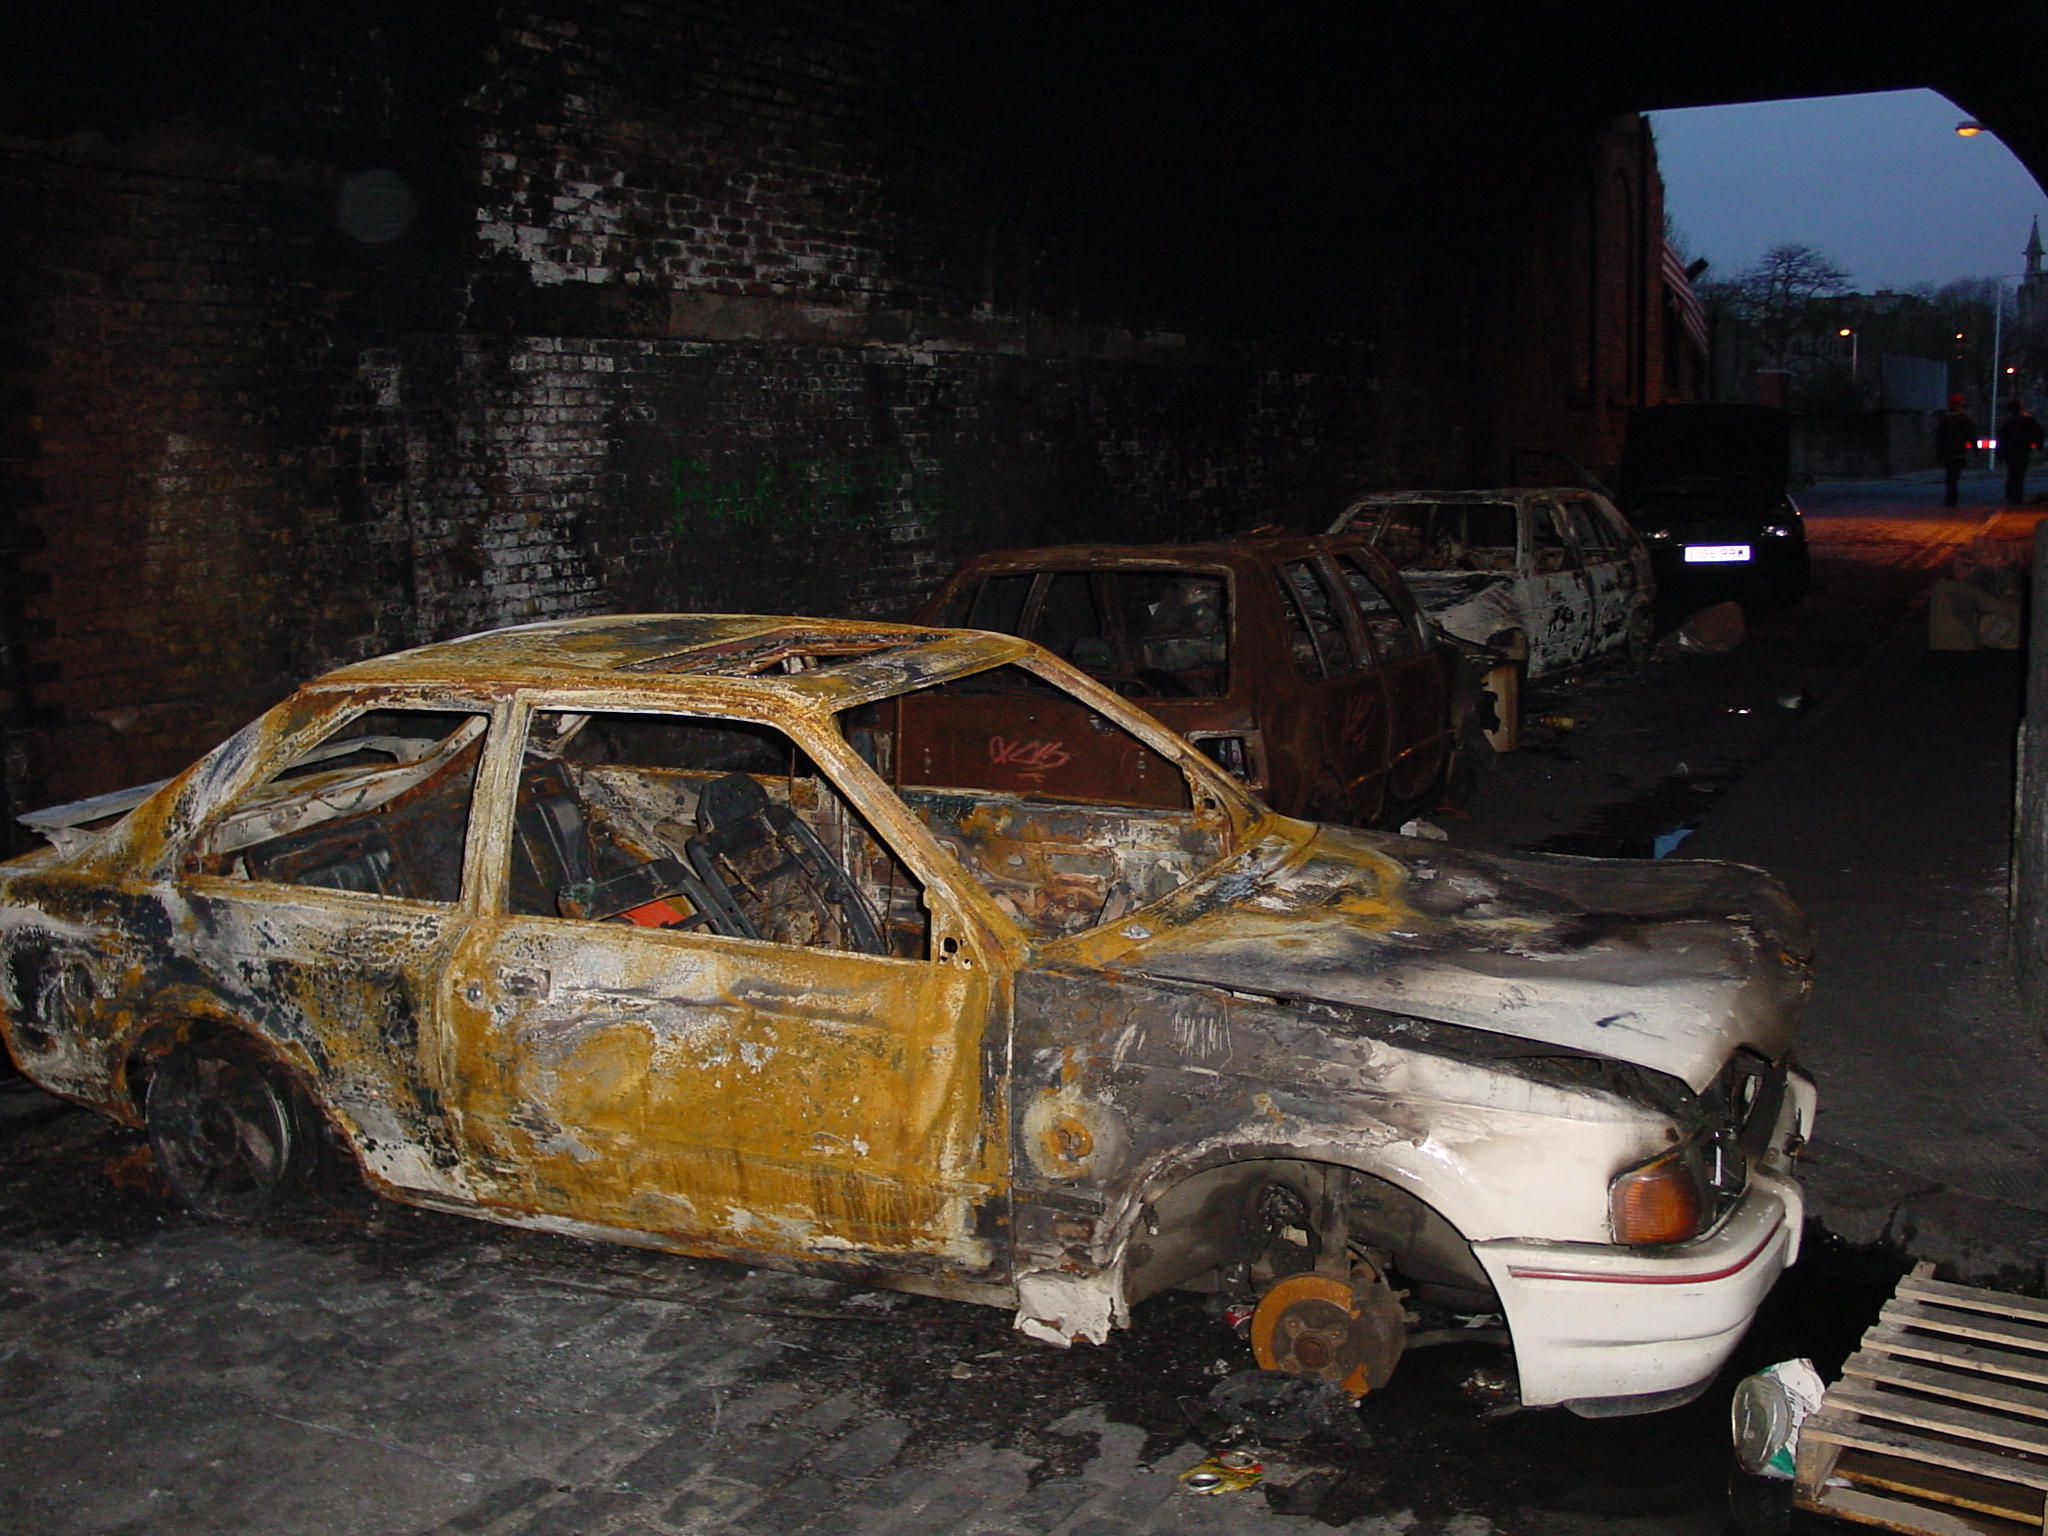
column 1027, row 754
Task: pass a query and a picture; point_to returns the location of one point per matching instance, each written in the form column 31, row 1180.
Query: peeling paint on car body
column 1577, row 585
column 1077, row 1046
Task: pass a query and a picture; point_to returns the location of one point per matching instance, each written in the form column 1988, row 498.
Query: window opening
column 1172, row 628
column 1393, row 636
column 1144, row 633
column 1068, row 624
column 1551, row 552
column 995, row 603
column 1589, row 529
column 702, row 824
column 1317, row 643
column 1449, row 536
column 379, row 806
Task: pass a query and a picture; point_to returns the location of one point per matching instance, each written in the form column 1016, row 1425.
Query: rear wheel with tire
column 231, row 1132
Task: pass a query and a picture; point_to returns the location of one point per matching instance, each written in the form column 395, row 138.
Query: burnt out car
column 651, row 930
column 1551, row 577
column 1302, row 665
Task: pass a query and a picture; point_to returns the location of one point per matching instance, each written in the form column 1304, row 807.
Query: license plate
column 1715, row 554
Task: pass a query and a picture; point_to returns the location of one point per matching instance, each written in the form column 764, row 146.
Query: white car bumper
column 1593, row 1322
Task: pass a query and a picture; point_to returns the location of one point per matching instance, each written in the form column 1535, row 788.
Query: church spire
column 2033, row 250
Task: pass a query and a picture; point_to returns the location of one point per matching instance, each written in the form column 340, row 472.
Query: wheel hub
column 1346, row 1331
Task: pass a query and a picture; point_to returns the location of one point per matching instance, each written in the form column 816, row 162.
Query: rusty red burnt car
column 1302, row 665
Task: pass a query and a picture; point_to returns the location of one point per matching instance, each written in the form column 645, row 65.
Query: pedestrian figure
column 1954, row 436
column 2019, row 434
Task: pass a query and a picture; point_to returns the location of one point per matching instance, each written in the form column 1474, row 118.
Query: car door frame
column 967, row 952
column 385, row 1103
column 1642, row 567
column 1558, row 604
column 1612, row 583
column 1343, row 719
column 1416, row 686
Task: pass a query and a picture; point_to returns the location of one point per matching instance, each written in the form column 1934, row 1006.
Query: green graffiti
column 794, row 494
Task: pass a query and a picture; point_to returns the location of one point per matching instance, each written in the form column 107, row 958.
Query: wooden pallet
column 1939, row 1424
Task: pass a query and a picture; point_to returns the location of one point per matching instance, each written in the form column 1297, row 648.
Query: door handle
column 523, row 983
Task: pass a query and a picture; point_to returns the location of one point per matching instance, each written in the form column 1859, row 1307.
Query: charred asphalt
column 356, row 1367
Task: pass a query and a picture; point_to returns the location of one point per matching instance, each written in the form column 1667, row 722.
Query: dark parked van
column 1707, row 487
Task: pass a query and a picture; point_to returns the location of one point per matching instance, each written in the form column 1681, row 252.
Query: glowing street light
column 1969, row 128
column 1998, row 333
column 1854, row 340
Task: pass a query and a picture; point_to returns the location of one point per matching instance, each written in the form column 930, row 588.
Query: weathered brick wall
column 394, row 325
column 197, row 538
column 1577, row 311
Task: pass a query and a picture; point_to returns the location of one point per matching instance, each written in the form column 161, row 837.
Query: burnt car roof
column 833, row 660
column 1245, row 550
column 1492, row 493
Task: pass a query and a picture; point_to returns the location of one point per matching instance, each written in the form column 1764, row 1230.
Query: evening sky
column 1882, row 184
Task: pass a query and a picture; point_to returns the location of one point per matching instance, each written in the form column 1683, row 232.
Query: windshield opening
column 1449, row 535
column 1064, row 814
column 1146, row 632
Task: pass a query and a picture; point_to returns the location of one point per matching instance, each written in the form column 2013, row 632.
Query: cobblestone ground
column 360, row 1368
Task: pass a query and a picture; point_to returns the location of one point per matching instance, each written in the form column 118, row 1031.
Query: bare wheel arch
column 1219, row 1229
column 232, row 1131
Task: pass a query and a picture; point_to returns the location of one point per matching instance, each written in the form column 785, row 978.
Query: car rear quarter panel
column 100, row 977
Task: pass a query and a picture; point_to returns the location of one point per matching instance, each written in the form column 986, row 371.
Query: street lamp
column 1854, row 339
column 1997, row 334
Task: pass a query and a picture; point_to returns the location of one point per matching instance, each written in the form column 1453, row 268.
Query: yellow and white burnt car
column 645, row 929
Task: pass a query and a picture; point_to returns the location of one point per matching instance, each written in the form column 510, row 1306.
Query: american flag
column 1683, row 299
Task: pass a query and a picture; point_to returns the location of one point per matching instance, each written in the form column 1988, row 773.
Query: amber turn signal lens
column 1657, row 1201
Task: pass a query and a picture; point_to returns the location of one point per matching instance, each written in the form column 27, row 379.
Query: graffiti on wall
column 875, row 491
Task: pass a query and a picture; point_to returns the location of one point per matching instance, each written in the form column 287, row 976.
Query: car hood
column 1452, row 586
column 1473, row 605
column 1669, row 965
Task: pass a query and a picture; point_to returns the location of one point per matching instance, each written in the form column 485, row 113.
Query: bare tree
column 1779, row 296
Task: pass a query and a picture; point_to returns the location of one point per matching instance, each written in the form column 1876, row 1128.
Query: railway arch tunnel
column 334, row 331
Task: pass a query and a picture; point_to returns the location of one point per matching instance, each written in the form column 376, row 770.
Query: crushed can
column 1225, row 1472
column 1765, row 1415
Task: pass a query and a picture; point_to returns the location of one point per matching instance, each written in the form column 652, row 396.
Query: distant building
column 2033, row 292
column 2028, row 353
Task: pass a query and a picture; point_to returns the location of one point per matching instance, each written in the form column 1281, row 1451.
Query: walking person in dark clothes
column 1954, row 436
column 2019, row 434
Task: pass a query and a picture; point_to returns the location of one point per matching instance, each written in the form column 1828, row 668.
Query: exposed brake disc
column 1347, row 1331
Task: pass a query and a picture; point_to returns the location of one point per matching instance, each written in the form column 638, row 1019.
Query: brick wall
column 340, row 330
column 1578, row 308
